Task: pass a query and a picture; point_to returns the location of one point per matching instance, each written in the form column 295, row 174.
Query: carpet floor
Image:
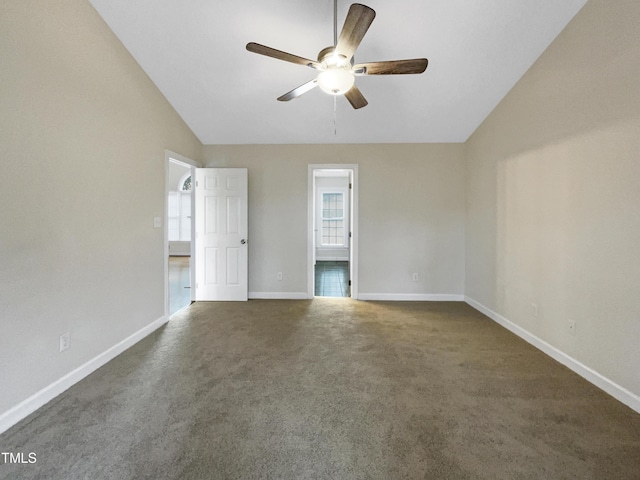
column 329, row 389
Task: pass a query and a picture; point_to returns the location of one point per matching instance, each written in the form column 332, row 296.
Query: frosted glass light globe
column 336, row 80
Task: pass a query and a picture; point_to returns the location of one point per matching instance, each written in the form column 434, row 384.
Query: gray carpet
column 330, row 389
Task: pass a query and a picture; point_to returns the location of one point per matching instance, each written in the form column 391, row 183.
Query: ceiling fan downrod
column 335, row 22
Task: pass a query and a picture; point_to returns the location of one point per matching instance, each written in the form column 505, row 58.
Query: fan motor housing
column 328, row 57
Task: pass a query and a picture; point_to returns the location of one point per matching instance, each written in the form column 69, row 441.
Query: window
column 179, row 225
column 332, row 219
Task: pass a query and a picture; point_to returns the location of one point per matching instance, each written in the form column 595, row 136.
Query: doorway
column 178, row 233
column 332, row 231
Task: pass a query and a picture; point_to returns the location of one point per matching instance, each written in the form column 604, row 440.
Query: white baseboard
column 618, row 392
column 412, row 297
column 279, row 295
column 38, row 399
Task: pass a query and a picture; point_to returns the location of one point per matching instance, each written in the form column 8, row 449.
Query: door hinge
column 196, row 183
column 349, row 186
column 349, row 234
column 349, row 282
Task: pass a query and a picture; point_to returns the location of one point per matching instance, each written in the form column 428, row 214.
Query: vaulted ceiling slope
column 195, row 53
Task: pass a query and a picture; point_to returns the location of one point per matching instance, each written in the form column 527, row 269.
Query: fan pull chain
column 335, row 115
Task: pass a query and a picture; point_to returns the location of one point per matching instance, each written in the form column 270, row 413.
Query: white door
column 221, row 250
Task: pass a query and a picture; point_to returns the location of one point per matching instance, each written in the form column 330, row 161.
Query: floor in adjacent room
column 179, row 283
column 332, row 279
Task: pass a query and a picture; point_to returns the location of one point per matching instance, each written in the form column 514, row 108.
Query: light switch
column 157, row 222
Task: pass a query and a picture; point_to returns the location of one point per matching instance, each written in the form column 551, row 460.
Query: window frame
column 345, row 220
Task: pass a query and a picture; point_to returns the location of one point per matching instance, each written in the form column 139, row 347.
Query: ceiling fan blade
column 392, row 67
column 280, row 55
column 355, row 26
column 355, row 97
column 296, row 92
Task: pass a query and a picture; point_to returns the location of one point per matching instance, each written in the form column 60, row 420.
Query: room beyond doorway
column 178, row 232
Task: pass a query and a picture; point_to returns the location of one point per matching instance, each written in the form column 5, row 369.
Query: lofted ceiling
column 194, row 51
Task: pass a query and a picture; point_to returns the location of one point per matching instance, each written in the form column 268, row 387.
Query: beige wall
column 411, row 214
column 553, row 196
column 83, row 133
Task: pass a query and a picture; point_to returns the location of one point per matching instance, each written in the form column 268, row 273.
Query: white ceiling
column 194, row 51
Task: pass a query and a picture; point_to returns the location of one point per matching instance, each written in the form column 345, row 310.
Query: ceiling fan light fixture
column 336, row 80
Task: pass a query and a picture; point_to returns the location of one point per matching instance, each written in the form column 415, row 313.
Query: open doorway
column 332, row 227
column 179, row 231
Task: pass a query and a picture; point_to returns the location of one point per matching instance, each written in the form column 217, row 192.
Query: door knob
column 243, row 241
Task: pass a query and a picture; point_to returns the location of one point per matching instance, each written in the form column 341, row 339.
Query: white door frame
column 353, row 250
column 170, row 156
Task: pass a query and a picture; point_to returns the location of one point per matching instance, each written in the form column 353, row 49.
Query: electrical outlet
column 279, row 276
column 571, row 326
column 416, row 277
column 65, row 342
column 534, row 310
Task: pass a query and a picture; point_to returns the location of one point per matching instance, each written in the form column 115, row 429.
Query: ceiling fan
column 336, row 64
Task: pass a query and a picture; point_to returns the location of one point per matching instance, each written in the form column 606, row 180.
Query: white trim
column 181, row 159
column 412, row 297
column 618, row 392
column 48, row 393
column 279, row 295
